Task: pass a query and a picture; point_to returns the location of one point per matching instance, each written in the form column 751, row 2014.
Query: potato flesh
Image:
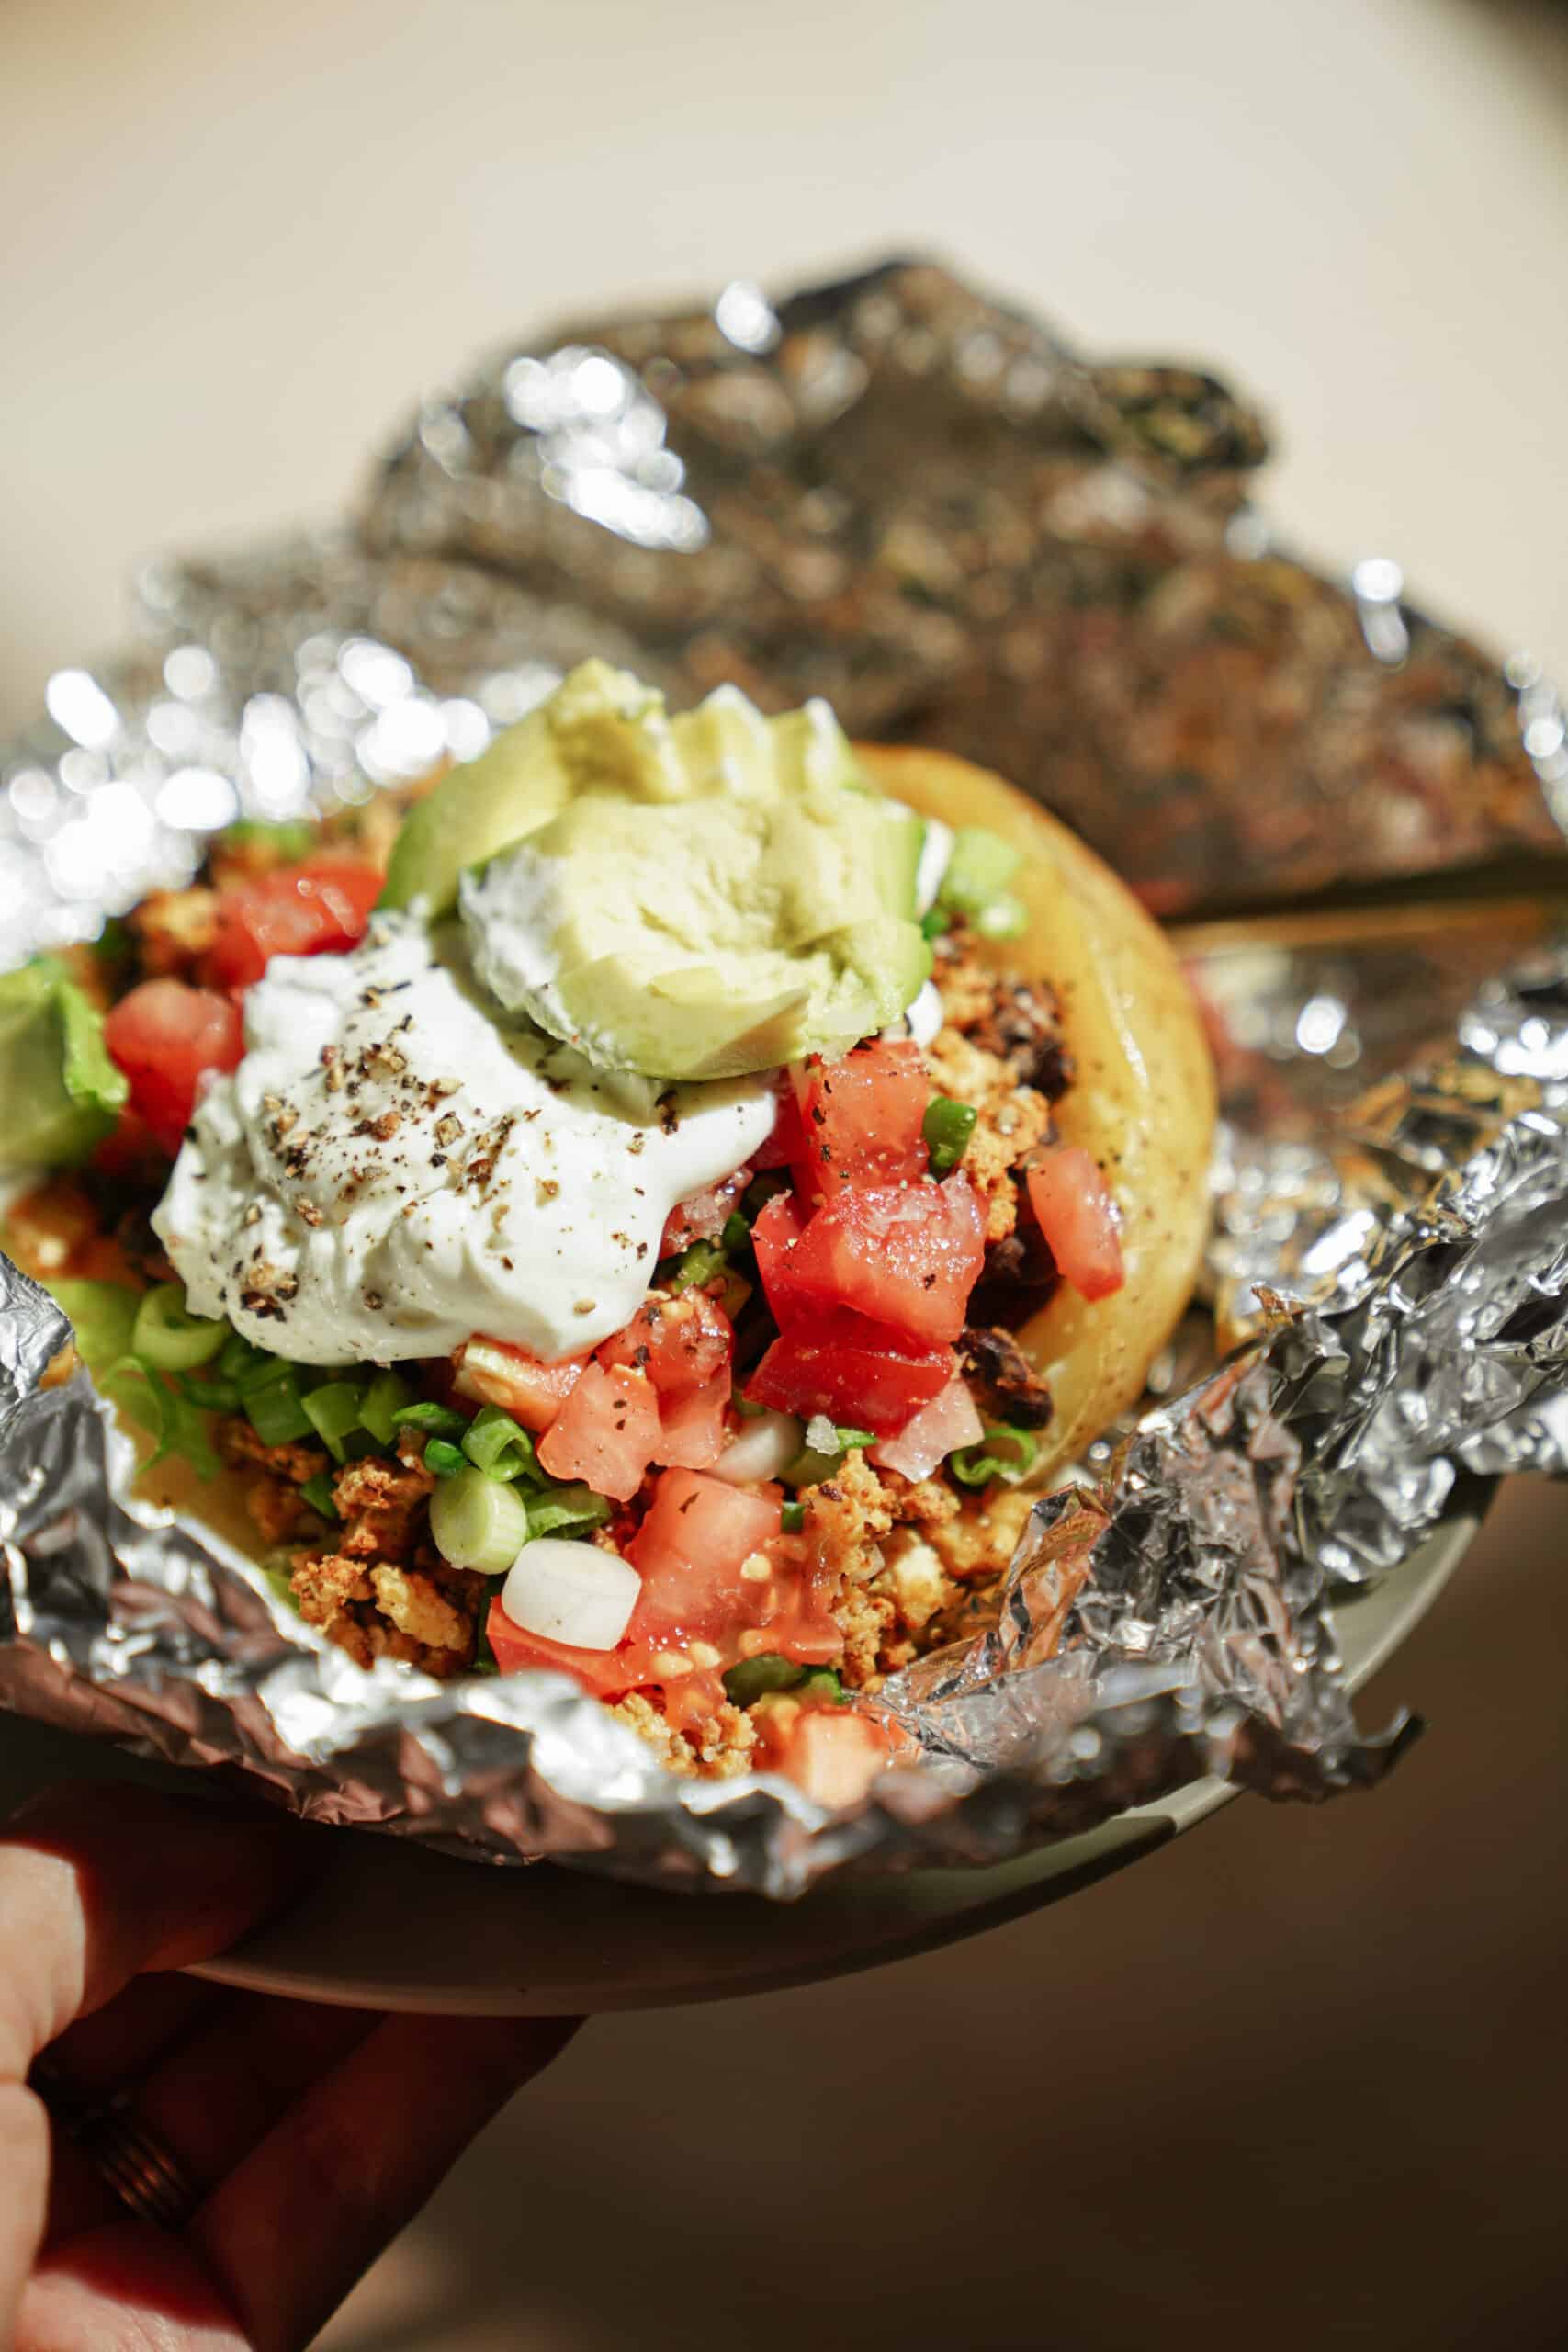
column 1142, row 1100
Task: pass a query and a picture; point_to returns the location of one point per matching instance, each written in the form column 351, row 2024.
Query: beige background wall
column 1299, row 2081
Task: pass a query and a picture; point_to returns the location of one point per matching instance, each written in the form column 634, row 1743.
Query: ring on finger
column 145, row 2176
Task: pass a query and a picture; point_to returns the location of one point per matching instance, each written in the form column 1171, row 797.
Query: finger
column 307, row 2211
column 88, row 1898
column 91, row 1896
column 125, row 2288
column 224, row 2086
column 120, row 2042
column 217, row 2088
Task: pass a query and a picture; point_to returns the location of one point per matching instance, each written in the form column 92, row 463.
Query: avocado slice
column 700, row 896
column 60, row 1090
column 602, row 728
column 705, row 940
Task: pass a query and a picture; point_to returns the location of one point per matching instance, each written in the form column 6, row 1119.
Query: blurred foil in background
column 895, row 493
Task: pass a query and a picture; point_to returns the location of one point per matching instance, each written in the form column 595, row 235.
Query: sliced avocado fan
column 696, row 897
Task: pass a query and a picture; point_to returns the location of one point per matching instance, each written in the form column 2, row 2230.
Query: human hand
column 302, row 2137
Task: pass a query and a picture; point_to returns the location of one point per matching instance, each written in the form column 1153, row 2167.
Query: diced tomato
column 697, row 1605
column 833, row 1753
column 774, row 1237
column 320, row 908
column 692, row 1427
column 701, row 1218
column 864, row 1116
column 907, row 1255
column 499, row 1373
column 858, row 1372
column 1077, row 1216
column 681, row 1343
column 785, row 1147
column 939, row 1428
column 690, row 1551
column 606, row 1432
column 604, row 1673
column 165, row 1037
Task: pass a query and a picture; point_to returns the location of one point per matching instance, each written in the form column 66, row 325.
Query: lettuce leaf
column 60, row 1090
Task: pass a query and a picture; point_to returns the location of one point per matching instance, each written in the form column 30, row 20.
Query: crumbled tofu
column 414, row 1606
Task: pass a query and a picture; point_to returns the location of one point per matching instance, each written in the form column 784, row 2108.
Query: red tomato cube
column 858, row 1372
column 166, row 1037
column 907, row 1255
column 1077, row 1216
column 864, row 1118
column 606, row 1434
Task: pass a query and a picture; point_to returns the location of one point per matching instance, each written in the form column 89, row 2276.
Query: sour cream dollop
column 390, row 1170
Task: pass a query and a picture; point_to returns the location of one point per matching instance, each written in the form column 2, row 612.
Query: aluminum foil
column 900, row 495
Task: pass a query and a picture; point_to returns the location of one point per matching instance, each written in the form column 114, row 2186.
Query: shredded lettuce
column 60, row 1090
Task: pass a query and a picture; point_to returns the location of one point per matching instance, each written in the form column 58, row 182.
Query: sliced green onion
column 477, row 1522
column 947, row 1127
column 1005, row 1451
column 935, row 921
column 446, row 1460
column 209, row 1392
column 333, row 1412
column 170, row 1336
column 387, row 1396
column 437, row 1421
column 318, row 1493
column 237, row 1358
column 824, row 1679
column 737, row 1234
column 791, row 1518
column 276, row 1409
column 160, row 1410
column 825, row 1446
column 698, row 1264
column 979, row 867
column 1005, row 918
column 572, row 1505
column 753, row 1678
column 495, row 1444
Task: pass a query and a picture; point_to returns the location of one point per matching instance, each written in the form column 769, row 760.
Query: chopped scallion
column 737, row 1234
column 698, row 1264
column 753, row 1678
column 437, row 1421
column 447, row 1460
column 387, row 1396
column 979, row 867
column 276, row 1409
column 947, row 1127
column 791, row 1518
column 572, row 1505
column 318, row 1493
column 495, row 1444
column 477, row 1522
column 170, row 1336
column 333, row 1412
column 1005, row 1451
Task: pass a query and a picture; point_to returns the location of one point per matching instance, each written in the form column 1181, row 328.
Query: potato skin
column 1142, row 1100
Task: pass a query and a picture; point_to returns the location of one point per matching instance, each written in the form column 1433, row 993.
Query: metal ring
column 149, row 2181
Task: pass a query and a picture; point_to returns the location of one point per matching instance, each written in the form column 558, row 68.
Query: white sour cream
column 388, row 1172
